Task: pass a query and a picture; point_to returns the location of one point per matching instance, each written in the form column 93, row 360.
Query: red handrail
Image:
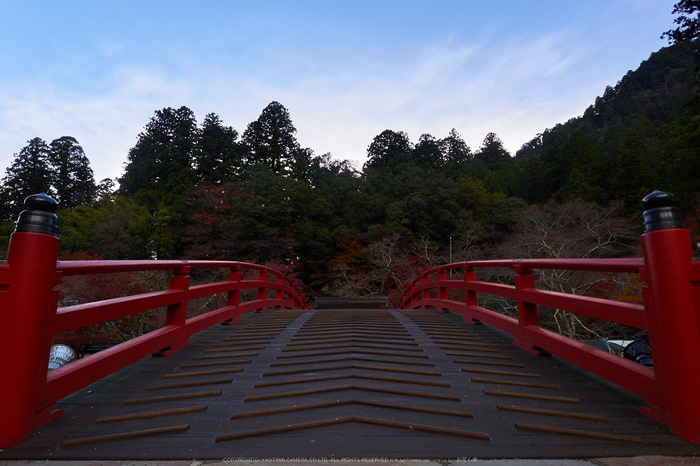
column 174, row 335
column 27, row 290
column 525, row 328
column 671, row 314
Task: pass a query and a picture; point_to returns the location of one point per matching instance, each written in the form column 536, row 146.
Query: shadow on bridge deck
column 349, row 383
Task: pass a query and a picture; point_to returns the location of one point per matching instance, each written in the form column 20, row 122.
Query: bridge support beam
column 674, row 336
column 27, row 316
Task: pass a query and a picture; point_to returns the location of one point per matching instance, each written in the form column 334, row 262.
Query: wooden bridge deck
column 350, row 383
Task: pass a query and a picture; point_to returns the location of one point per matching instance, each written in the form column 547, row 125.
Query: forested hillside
column 636, row 136
column 207, row 191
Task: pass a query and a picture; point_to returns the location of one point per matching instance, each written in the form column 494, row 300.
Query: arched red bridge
column 426, row 380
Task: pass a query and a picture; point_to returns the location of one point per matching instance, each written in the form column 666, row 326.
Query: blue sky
column 346, row 70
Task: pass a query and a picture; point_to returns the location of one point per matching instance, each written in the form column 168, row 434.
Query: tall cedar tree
column 456, row 151
column 162, row 159
column 388, row 150
column 218, row 156
column 73, row 181
column 270, row 140
column 28, row 174
column 493, row 153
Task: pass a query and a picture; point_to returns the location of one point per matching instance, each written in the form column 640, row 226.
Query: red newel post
column 233, row 297
column 673, row 333
column 177, row 313
column 25, row 323
column 262, row 292
column 279, row 294
column 471, row 297
column 442, row 290
column 425, row 293
column 527, row 312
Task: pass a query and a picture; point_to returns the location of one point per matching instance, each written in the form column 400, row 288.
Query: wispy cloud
column 477, row 77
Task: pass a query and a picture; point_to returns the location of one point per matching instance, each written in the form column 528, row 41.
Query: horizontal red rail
column 632, row 376
column 630, row 265
column 72, row 377
column 107, row 266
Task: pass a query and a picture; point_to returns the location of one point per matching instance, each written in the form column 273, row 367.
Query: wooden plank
column 351, row 339
column 489, row 363
column 334, row 403
column 223, row 356
column 351, row 376
column 358, row 351
column 423, row 428
column 495, row 372
column 220, row 363
column 518, row 384
column 479, row 350
column 188, row 384
column 152, row 414
column 461, row 345
column 290, row 409
column 477, row 355
column 241, row 346
column 125, row 436
column 338, row 388
column 282, row 429
column 552, row 412
column 531, row 396
column 456, row 340
column 361, row 419
column 407, row 341
column 354, row 366
column 352, row 358
column 201, row 373
column 579, row 433
column 183, row 396
column 352, row 344
column 233, row 350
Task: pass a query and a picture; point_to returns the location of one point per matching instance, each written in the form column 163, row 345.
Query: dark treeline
column 205, row 191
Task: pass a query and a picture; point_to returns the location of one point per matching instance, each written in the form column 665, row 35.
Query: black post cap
column 40, row 216
column 661, row 213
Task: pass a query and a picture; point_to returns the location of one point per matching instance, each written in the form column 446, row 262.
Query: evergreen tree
column 160, row 176
column 162, row 159
column 429, row 152
column 389, row 149
column 553, row 161
column 29, row 173
column 581, row 166
column 631, row 177
column 530, row 181
column 681, row 160
column 455, row 150
column 493, row 153
column 271, row 140
column 688, row 21
column 72, row 178
column 218, row 156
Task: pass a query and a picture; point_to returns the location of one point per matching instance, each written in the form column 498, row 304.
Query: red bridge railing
column 670, row 314
column 29, row 317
